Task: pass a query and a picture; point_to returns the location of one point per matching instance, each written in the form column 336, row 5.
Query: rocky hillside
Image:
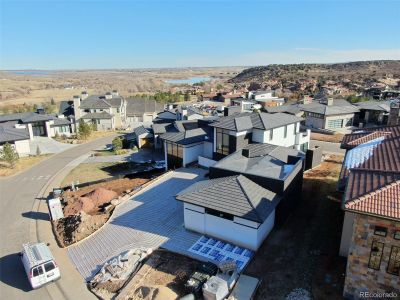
column 295, row 80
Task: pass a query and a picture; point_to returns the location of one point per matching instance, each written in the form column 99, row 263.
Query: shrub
column 117, row 143
column 9, row 155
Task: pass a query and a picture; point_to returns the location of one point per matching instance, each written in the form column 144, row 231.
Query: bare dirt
column 303, row 253
column 89, row 208
column 333, row 138
column 162, row 277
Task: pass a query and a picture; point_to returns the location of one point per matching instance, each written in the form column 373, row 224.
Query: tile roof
column 139, row 106
column 235, row 195
column 264, row 160
column 97, row 115
column 27, row 117
column 60, row 122
column 292, row 109
column 339, row 107
column 163, row 128
column 141, row 130
column 263, row 121
column 383, row 106
column 9, row 133
column 370, row 169
column 100, row 101
column 383, row 202
column 189, row 136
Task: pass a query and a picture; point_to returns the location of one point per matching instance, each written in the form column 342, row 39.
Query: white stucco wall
column 191, row 154
column 207, row 149
column 279, row 139
column 22, row 147
column 240, row 231
column 347, row 233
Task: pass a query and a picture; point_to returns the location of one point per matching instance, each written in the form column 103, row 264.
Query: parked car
column 39, row 264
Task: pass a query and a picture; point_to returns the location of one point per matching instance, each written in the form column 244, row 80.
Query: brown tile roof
column 383, row 202
column 371, row 172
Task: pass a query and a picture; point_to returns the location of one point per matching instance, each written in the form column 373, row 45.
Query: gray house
column 139, row 111
column 18, row 135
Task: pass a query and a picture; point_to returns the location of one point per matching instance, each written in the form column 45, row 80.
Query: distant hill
column 340, row 78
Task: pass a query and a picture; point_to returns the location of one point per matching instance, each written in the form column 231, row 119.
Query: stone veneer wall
column 360, row 278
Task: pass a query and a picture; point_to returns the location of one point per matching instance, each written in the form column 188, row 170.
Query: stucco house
column 105, row 111
column 141, row 111
column 265, row 98
column 18, row 135
column 234, row 209
column 370, row 178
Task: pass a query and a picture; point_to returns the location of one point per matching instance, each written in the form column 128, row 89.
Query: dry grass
column 88, row 173
column 335, row 138
column 23, row 164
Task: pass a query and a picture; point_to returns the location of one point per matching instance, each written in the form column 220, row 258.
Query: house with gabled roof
column 370, row 179
column 106, row 111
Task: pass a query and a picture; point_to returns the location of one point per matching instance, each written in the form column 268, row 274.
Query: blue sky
column 135, row 34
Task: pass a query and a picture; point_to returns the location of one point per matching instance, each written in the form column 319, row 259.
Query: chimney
column 77, row 104
column 108, row 95
column 246, row 152
column 394, row 114
column 115, row 93
column 329, row 102
column 84, row 95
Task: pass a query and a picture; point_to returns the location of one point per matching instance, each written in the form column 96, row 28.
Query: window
column 394, row 261
column 381, row 231
column 376, row 255
column 219, row 214
column 37, row 271
column 49, row 266
column 335, row 123
column 396, row 235
column 295, row 128
column 271, row 134
column 118, row 110
column 285, row 131
column 222, row 141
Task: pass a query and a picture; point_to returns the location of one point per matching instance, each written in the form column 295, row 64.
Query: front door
column 39, row 129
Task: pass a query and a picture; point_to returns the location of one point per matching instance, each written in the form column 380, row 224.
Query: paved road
column 328, row 147
column 17, row 200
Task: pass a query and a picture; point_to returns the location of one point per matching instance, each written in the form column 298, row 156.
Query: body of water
column 190, row 80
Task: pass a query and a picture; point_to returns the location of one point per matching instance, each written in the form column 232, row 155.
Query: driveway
column 18, row 195
column 48, row 145
column 151, row 219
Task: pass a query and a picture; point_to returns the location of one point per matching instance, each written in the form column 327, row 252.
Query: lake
column 31, row 72
column 190, row 80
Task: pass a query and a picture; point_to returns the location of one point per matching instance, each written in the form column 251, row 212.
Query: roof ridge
column 370, row 134
column 378, row 191
column 238, row 179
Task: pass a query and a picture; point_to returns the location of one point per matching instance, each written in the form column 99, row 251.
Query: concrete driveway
column 151, row 219
column 20, row 199
column 48, row 145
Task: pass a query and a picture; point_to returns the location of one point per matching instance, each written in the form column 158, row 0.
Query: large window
column 394, row 261
column 338, row 123
column 222, row 141
column 174, row 155
column 376, row 255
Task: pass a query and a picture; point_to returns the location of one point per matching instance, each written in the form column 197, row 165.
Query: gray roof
column 374, row 105
column 264, row 160
column 235, row 195
column 97, row 115
column 184, row 125
column 141, row 130
column 100, row 101
column 139, row 106
column 189, row 136
column 167, row 114
column 292, row 109
column 163, row 128
column 263, row 121
column 60, row 122
column 27, row 117
column 66, row 108
column 9, row 133
column 339, row 107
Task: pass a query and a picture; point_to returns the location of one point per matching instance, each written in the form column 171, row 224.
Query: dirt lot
column 162, row 277
column 87, row 209
column 334, row 138
column 303, row 252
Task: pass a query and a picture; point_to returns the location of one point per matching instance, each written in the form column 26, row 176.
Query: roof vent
column 246, row 152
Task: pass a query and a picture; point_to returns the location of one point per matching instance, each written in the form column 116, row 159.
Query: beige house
column 106, row 111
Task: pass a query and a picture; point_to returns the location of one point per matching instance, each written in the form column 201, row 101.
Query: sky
column 154, row 34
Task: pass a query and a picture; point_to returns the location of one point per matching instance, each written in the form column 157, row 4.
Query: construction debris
column 116, row 272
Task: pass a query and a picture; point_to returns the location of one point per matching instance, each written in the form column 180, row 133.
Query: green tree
column 9, row 155
column 52, row 102
column 38, row 152
column 117, row 143
column 84, row 130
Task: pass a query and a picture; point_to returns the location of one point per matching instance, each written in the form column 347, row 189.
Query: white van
column 39, row 264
